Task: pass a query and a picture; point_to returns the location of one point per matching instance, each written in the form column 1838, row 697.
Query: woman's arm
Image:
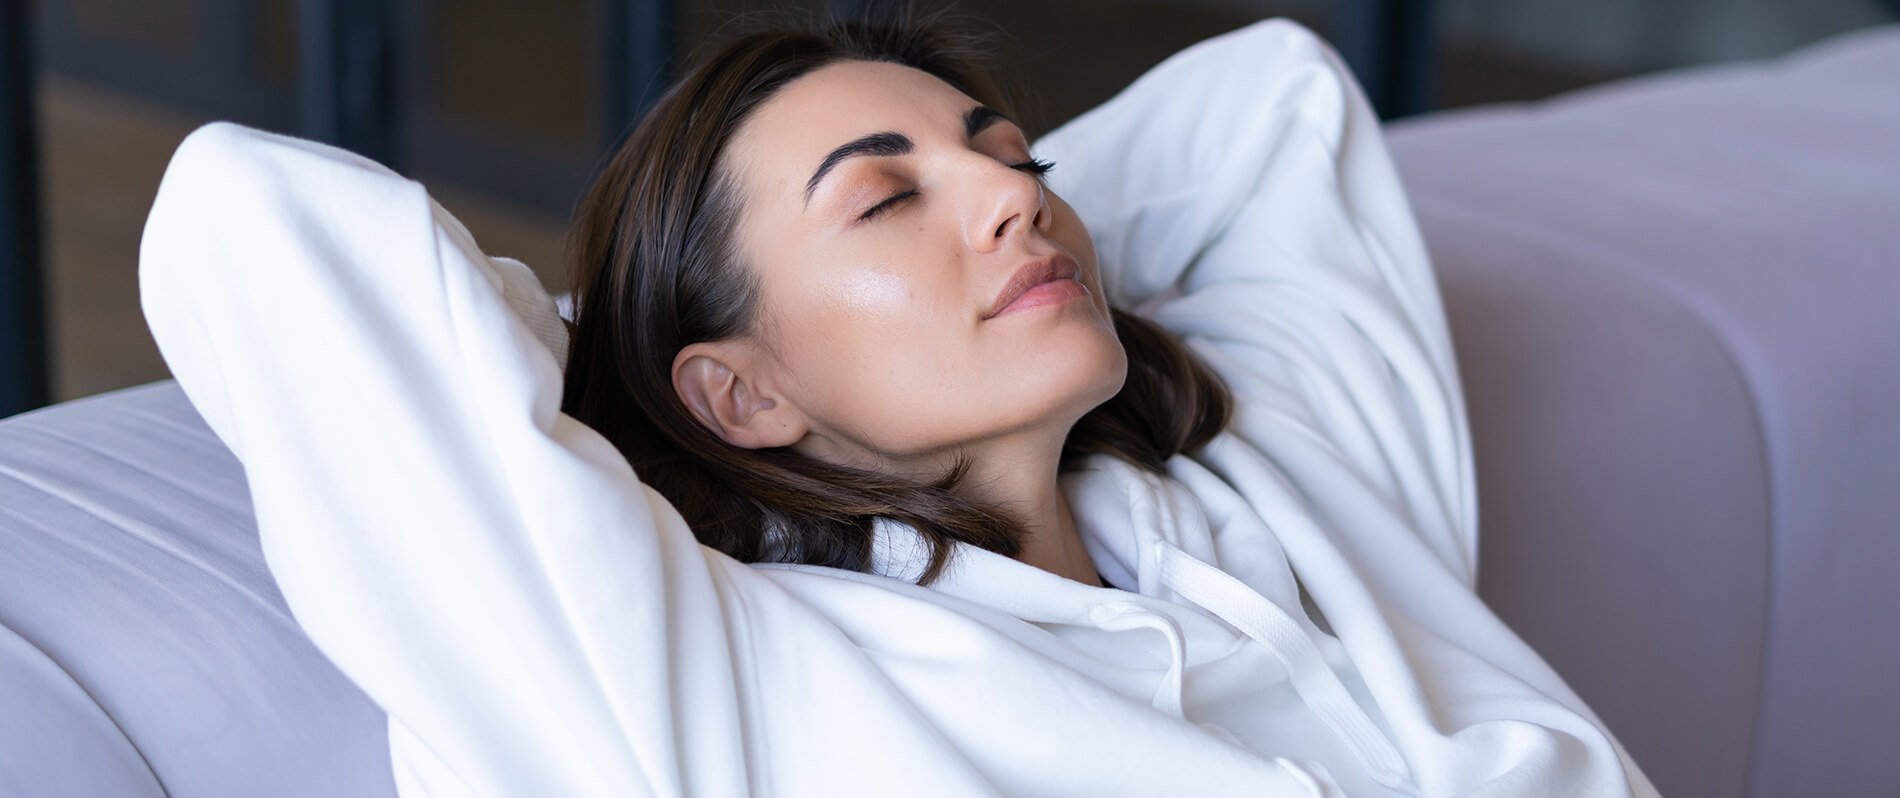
column 1240, row 193
column 533, row 618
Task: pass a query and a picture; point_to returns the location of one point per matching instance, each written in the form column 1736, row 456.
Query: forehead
column 786, row 137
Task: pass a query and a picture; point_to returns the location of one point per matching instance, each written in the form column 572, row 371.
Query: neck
column 1022, row 476
column 1018, row 473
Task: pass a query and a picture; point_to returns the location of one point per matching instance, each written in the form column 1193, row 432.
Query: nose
column 1007, row 202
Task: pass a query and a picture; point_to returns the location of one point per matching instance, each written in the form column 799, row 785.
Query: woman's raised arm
column 1240, row 194
column 534, row 620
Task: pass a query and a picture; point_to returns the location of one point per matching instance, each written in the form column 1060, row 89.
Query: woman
column 859, row 478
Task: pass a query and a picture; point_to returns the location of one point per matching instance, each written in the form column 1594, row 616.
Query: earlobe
column 729, row 404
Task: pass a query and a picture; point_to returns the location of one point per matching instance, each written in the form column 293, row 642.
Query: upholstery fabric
column 144, row 649
column 1673, row 303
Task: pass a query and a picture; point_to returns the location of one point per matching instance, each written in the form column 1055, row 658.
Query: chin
column 1048, row 383
column 1082, row 369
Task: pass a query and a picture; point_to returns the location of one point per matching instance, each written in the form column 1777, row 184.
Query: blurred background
column 502, row 107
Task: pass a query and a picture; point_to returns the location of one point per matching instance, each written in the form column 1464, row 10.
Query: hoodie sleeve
column 534, row 620
column 1240, row 194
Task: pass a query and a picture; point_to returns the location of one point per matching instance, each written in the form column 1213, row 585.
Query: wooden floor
column 103, row 153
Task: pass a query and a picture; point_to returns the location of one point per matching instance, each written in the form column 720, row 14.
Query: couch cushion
column 144, row 648
column 1673, row 303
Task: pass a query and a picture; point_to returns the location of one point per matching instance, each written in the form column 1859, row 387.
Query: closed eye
column 1034, row 166
column 887, row 204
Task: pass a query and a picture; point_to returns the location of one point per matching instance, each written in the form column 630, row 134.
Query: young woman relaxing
column 887, row 452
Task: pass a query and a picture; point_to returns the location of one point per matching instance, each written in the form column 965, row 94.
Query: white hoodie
column 537, row 622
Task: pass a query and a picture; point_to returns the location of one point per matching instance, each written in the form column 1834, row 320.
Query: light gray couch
column 1676, row 304
column 1673, row 302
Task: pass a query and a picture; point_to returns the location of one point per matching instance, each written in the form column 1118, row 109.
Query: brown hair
column 654, row 269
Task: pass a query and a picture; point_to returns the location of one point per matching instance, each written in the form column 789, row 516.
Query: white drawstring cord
column 1306, row 668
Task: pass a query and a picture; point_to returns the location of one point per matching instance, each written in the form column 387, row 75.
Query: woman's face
column 878, row 330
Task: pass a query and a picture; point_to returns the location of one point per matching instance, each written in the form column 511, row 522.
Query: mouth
column 1043, row 281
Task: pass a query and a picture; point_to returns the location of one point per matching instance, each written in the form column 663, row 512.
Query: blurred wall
column 1623, row 36
column 500, row 102
column 505, row 96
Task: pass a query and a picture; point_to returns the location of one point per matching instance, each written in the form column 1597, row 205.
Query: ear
column 719, row 383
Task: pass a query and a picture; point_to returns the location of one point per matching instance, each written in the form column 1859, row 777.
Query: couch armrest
column 1673, row 304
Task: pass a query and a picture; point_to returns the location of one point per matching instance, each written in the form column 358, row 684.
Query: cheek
column 867, row 344
column 824, row 310
column 1074, row 237
column 872, row 296
column 892, row 356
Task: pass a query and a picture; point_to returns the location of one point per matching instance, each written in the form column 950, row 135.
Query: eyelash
column 1034, row 166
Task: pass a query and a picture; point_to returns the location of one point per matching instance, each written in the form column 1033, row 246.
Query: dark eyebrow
column 890, row 142
column 885, row 143
column 979, row 118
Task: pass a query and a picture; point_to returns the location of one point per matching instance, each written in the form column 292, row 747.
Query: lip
column 1034, row 273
